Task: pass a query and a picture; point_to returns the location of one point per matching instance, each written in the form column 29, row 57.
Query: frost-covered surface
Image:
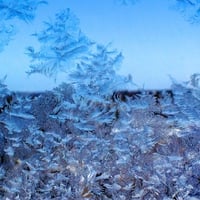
column 63, row 45
column 85, row 139
column 6, row 34
column 145, row 148
column 190, row 9
column 21, row 9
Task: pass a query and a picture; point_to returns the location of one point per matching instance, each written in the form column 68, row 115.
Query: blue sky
column 156, row 41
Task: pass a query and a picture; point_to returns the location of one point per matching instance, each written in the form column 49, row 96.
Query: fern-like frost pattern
column 63, row 45
column 21, row 9
column 9, row 10
column 93, row 81
column 91, row 137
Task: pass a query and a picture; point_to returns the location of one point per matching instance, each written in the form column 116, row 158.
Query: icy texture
column 6, row 34
column 63, row 45
column 92, row 83
column 187, row 96
column 190, row 9
column 141, row 154
column 11, row 9
column 90, row 72
column 90, row 139
column 5, row 97
column 21, row 9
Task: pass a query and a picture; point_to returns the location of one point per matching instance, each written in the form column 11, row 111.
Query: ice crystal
column 3, row 86
column 190, row 9
column 22, row 9
column 6, row 34
column 93, row 83
column 11, row 9
column 187, row 97
column 140, row 155
column 63, row 45
column 5, row 97
column 97, row 77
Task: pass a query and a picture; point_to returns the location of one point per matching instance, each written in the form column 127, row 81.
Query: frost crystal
column 22, row 9
column 93, row 83
column 83, row 149
column 6, row 34
column 63, row 45
column 190, row 9
column 11, row 9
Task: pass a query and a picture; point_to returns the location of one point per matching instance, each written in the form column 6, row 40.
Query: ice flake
column 9, row 151
column 22, row 115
